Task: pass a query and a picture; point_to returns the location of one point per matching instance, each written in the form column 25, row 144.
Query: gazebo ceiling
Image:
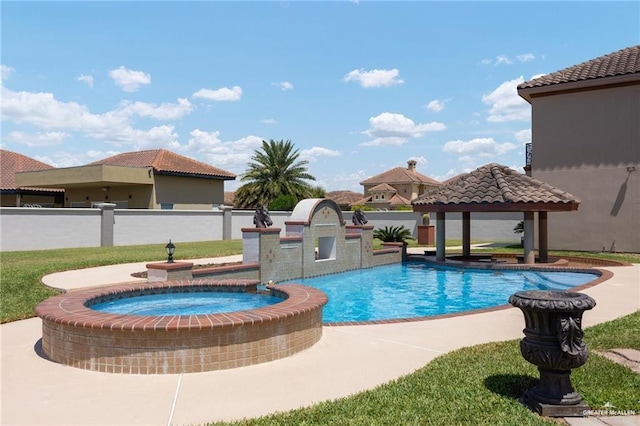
column 495, row 188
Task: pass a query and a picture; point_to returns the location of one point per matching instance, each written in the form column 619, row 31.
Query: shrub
column 393, row 234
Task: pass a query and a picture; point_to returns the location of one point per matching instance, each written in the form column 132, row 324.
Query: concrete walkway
column 346, row 360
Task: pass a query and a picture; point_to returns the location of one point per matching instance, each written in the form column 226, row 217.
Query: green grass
column 21, row 272
column 477, row 385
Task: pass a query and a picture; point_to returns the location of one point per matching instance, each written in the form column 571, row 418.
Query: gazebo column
column 440, row 236
column 466, row 234
column 543, row 241
column 529, row 254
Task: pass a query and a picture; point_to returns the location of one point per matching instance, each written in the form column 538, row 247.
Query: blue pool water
column 417, row 289
column 186, row 303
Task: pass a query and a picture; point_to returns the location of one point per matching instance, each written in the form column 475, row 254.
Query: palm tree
column 274, row 172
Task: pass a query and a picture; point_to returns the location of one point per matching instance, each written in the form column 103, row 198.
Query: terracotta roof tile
column 12, row 163
column 493, row 184
column 399, row 175
column 344, row 197
column 163, row 161
column 625, row 61
column 383, row 187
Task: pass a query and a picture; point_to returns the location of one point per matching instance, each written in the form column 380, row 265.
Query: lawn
column 479, row 385
column 474, row 385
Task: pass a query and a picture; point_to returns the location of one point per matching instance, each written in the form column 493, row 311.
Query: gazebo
column 496, row 188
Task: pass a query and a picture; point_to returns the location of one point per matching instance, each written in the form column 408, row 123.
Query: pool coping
column 70, row 308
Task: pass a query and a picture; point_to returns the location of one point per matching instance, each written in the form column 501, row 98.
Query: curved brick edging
column 75, row 335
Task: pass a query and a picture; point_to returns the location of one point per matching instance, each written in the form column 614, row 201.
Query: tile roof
column 622, row 62
column 344, row 197
column 383, row 187
column 494, row 187
column 399, row 175
column 13, row 162
column 165, row 162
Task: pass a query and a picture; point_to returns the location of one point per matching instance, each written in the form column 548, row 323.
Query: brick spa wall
column 75, row 335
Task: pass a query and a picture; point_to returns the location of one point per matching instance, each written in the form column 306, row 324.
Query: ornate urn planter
column 553, row 342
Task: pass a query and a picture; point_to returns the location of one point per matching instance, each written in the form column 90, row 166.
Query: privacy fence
column 49, row 228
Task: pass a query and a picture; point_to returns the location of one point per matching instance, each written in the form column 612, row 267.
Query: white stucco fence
column 49, row 228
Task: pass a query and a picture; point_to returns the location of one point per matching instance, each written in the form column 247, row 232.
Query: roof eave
column 496, row 207
column 528, row 93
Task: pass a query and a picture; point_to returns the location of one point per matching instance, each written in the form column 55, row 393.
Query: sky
column 359, row 87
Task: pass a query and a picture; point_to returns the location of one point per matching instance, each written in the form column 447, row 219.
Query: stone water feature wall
column 318, row 242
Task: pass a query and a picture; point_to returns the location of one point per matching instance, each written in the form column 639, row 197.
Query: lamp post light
column 170, row 250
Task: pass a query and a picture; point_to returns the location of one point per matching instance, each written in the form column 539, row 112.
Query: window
column 166, row 206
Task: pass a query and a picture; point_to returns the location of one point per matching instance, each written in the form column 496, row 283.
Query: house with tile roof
column 586, row 140
column 395, row 188
column 152, row 179
column 12, row 195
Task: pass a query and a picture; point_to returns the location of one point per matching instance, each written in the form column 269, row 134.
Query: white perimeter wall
column 38, row 229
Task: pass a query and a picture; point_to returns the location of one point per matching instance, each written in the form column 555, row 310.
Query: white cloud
column 474, row 149
column 220, row 95
column 284, row 85
column 523, row 136
column 5, row 72
column 268, row 121
column 313, row 153
column 73, row 159
column 86, row 79
column 164, row 111
column 435, row 105
column 374, row 78
column 129, row 80
column 42, row 110
column 37, row 139
column 502, row 59
column 232, row 156
column 526, row 57
column 394, row 129
column 505, row 103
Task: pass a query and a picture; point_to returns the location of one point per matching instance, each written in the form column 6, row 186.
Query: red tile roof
column 399, row 175
column 344, row 197
column 166, row 162
column 493, row 187
column 12, row 163
column 622, row 62
column 383, row 187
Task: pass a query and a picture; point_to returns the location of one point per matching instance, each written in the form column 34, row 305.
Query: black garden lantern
column 170, row 250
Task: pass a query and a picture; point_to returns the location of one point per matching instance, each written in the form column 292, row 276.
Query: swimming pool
column 416, row 289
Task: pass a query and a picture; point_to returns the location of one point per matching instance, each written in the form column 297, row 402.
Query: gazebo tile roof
column 499, row 186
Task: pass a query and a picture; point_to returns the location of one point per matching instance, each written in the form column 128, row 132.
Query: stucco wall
column 35, row 229
column 40, row 229
column 171, row 189
column 583, row 143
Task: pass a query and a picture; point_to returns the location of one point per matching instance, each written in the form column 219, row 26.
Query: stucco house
column 12, row 195
column 395, row 188
column 586, row 140
column 153, row 179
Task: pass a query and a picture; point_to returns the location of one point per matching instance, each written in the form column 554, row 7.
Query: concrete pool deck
column 347, row 359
